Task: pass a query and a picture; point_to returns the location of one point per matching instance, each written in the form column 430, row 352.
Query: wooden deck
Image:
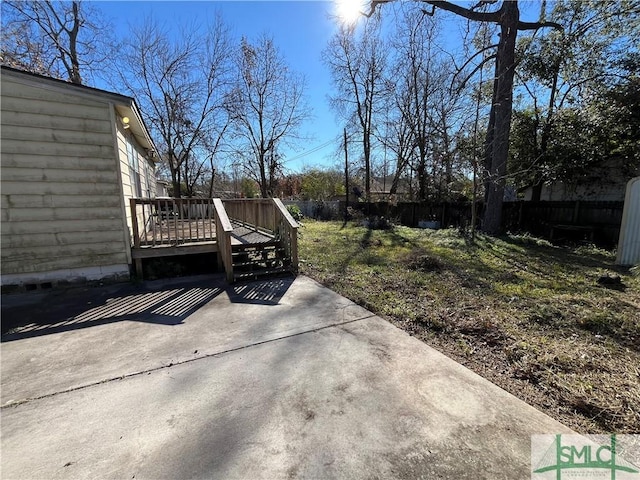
column 170, row 227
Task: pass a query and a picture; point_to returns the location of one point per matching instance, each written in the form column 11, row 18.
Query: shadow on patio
column 166, row 306
column 263, row 292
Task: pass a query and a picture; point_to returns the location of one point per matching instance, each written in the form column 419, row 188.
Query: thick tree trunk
column 503, row 103
column 74, row 72
column 176, row 179
column 536, row 191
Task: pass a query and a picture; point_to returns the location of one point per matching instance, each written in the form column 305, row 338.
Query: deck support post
column 138, row 268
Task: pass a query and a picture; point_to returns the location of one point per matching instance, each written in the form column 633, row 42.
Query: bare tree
column 420, row 74
column 267, row 107
column 56, row 38
column 507, row 18
column 357, row 60
column 182, row 83
column 397, row 135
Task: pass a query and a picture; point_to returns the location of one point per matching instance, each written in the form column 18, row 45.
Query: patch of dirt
column 424, row 263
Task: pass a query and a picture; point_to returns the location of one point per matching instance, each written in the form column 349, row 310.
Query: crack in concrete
column 15, row 403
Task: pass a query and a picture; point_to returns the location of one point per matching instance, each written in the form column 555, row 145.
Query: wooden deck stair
column 260, row 260
column 252, row 238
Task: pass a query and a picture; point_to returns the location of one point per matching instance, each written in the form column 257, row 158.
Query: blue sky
column 301, row 29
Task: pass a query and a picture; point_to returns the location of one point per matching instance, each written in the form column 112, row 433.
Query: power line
column 309, row 152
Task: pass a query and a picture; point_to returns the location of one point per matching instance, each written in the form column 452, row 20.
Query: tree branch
column 469, row 13
column 539, row 25
column 474, row 56
column 473, row 72
column 465, row 12
column 374, row 5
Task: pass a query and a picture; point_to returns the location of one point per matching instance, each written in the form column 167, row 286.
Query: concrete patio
column 281, row 378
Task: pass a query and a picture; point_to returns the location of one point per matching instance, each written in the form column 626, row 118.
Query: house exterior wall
column 144, row 168
column 605, row 183
column 61, row 199
column 559, row 192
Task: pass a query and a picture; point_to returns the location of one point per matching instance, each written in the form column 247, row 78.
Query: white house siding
column 61, row 200
column 146, row 170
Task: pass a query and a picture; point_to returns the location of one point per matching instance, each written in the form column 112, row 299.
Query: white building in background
column 629, row 243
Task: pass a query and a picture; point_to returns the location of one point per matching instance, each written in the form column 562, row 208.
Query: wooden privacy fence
column 411, row 213
column 600, row 221
column 319, row 209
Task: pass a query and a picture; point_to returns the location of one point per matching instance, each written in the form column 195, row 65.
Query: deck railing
column 255, row 213
column 160, row 222
column 268, row 215
column 223, row 235
column 172, row 221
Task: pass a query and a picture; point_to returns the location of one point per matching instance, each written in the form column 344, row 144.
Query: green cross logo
column 591, row 459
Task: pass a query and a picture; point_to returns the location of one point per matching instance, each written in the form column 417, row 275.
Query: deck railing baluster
column 146, row 219
column 157, row 228
column 200, row 218
column 159, row 222
column 176, row 216
column 189, row 210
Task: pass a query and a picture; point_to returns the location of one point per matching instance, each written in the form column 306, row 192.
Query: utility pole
column 346, row 178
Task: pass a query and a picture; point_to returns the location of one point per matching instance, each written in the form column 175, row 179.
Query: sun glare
column 349, row 10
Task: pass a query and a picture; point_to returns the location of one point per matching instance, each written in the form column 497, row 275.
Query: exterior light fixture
column 125, row 122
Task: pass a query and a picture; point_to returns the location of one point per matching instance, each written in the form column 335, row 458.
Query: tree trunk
column 213, row 176
column 503, row 103
column 536, row 190
column 74, row 73
column 367, row 165
column 545, row 135
column 263, row 175
column 396, row 177
column 421, row 171
column 175, row 176
column 488, row 143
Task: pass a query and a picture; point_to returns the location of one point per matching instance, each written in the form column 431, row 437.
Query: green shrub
column 295, row 212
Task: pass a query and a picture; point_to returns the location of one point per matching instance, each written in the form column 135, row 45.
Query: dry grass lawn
column 529, row 316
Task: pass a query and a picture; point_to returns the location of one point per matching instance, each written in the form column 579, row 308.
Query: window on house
column 134, row 169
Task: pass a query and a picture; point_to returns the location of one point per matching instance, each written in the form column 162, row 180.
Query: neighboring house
column 71, row 157
column 601, row 185
column 162, row 188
